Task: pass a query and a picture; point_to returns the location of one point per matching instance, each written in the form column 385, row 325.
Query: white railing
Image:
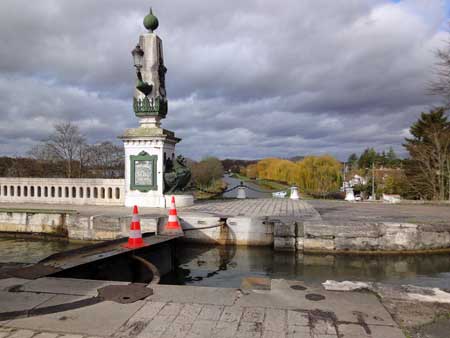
column 80, row 191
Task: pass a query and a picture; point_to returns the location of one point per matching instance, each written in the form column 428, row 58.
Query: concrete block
column 297, row 318
column 319, row 229
column 379, row 331
column 13, row 217
column 17, row 301
column 149, row 224
column 299, row 243
column 284, row 229
column 7, row 283
column 202, row 328
column 192, row 294
column 225, row 329
column 284, row 243
column 433, row 240
column 358, row 229
column 67, row 286
column 108, row 223
column 198, row 221
column 22, row 334
column 253, row 315
column 318, row 244
column 83, row 320
column 399, row 237
column 274, row 320
column 47, row 219
column 211, row 312
column 232, row 314
column 357, row 244
column 250, row 231
column 52, row 335
column 136, row 324
column 300, row 229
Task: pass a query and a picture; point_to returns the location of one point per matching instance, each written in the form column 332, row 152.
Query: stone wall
column 79, row 191
column 374, row 236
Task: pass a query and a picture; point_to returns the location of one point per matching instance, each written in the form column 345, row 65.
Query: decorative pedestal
column 146, row 152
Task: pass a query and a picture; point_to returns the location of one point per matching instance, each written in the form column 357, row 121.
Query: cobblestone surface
column 172, row 320
column 173, row 312
column 257, row 207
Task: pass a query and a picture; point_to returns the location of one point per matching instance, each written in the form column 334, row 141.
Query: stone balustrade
column 79, row 191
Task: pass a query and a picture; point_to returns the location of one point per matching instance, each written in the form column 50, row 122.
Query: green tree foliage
column 428, row 168
column 206, row 172
column 367, row 158
column 353, row 161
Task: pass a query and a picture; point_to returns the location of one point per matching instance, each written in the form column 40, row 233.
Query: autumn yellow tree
column 251, row 171
column 319, row 174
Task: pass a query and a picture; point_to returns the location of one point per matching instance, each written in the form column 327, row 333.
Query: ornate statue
column 176, row 176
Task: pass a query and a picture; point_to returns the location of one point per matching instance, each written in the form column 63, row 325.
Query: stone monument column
column 150, row 149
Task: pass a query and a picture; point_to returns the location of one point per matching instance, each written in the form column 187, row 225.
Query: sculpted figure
column 177, row 175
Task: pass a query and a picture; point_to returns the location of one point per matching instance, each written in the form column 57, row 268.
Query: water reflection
column 26, row 250
column 226, row 266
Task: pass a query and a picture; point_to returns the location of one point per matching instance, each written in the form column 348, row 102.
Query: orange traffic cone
column 173, row 224
column 135, row 238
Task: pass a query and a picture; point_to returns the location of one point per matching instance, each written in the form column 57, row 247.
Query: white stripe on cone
column 135, row 234
column 135, row 218
column 173, row 218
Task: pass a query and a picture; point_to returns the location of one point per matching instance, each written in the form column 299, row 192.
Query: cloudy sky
column 246, row 79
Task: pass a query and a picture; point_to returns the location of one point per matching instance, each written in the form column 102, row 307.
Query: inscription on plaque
column 143, row 172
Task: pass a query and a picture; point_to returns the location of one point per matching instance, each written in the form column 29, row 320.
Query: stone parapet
column 77, row 191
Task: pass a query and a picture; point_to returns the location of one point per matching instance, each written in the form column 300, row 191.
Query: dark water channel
column 226, row 266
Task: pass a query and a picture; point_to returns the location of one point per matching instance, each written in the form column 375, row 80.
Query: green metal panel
column 145, row 166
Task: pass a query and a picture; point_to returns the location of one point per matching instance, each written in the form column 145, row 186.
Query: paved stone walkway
column 257, row 207
column 283, row 309
column 249, row 207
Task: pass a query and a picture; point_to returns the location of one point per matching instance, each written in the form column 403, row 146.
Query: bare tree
column 105, row 160
column 427, row 168
column 440, row 86
column 65, row 144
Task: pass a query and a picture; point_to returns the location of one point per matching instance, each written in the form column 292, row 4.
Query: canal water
column 254, row 192
column 226, row 266
column 26, row 250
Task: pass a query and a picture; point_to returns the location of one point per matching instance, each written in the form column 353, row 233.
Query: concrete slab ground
column 342, row 211
column 288, row 309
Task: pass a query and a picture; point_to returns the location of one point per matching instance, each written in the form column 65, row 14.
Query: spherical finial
column 151, row 22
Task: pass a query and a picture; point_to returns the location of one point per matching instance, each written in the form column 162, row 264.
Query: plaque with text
column 143, row 172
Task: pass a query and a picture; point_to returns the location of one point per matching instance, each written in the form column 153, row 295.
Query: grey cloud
column 246, row 80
